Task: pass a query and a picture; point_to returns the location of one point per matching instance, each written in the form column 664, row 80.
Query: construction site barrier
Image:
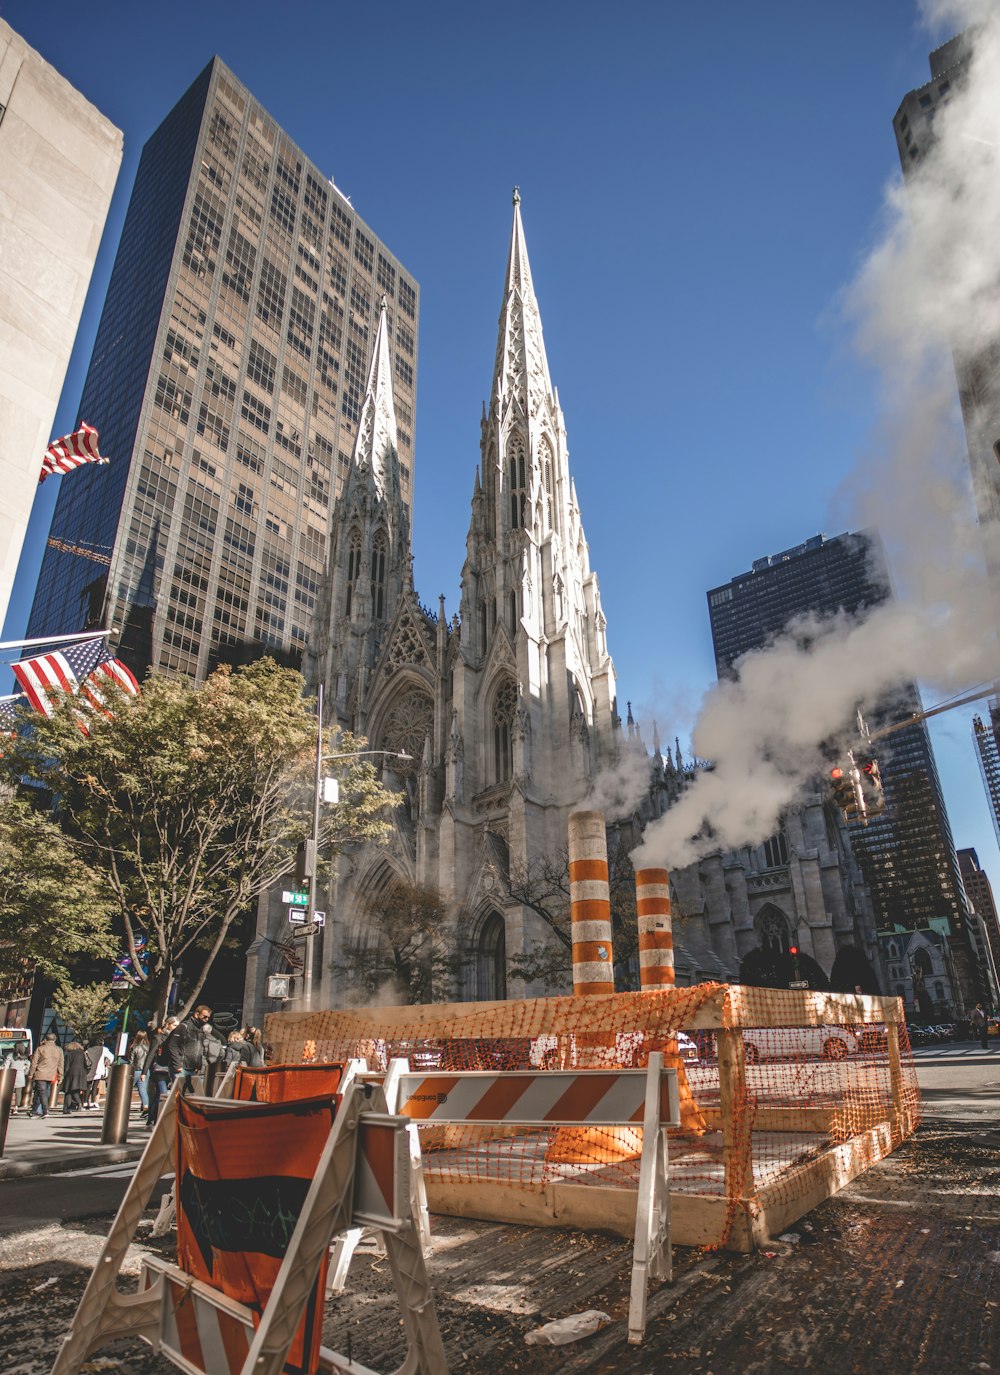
column 785, row 1096
column 254, row 1234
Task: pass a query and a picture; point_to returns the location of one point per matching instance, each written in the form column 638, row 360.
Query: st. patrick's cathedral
column 509, row 712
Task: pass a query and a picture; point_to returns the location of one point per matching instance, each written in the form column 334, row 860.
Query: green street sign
column 296, row 899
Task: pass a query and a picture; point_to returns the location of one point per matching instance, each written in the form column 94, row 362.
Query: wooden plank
column 799, row 1191
column 735, row 1109
column 695, row 1219
column 786, row 1119
column 780, row 1007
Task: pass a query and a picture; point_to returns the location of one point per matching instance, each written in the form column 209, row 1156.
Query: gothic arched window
column 775, row 851
column 483, row 640
column 772, row 930
column 515, row 481
column 491, row 492
column 353, row 569
column 548, row 481
column 504, row 706
column 491, row 959
column 379, row 552
column 512, row 615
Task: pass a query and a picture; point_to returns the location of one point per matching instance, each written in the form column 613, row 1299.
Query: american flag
column 8, row 720
column 80, row 668
column 63, row 455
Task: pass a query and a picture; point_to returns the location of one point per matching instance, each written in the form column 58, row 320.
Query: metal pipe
column 590, row 906
column 117, row 1102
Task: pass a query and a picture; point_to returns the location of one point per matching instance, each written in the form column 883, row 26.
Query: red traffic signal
column 793, row 950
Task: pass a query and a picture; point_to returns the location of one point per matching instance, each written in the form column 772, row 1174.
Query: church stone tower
column 369, row 552
column 508, row 711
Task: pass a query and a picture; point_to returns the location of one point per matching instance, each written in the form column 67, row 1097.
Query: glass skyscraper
column 226, row 382
column 907, row 853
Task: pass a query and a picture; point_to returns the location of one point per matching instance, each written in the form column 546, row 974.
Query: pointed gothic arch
column 380, row 559
column 491, row 958
column 772, row 930
column 353, row 568
column 503, row 705
column 517, row 488
column 404, row 723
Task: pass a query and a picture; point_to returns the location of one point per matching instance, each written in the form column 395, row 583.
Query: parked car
column 799, row 1043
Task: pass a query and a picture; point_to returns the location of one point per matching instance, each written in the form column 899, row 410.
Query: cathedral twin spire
column 521, row 370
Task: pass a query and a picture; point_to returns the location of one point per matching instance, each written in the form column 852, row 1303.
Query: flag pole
column 53, row 640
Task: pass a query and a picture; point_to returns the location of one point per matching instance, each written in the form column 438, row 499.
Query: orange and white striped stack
column 656, row 937
column 590, row 904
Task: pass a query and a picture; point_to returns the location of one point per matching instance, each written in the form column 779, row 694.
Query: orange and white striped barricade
column 583, row 1098
column 361, row 1178
column 167, row 1215
column 346, row 1245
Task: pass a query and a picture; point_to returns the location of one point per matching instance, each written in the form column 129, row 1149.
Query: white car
column 799, row 1043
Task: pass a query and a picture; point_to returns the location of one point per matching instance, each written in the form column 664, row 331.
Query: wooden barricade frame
column 545, row 1099
column 745, row 1214
column 341, row 1183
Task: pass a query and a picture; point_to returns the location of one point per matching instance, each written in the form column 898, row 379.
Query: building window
column 515, row 481
column 512, row 612
column 353, row 569
column 772, row 931
column 504, row 706
column 775, row 851
column 378, row 577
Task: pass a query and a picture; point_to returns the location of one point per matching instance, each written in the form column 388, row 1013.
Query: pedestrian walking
column 981, row 1025
column 74, row 1077
column 159, row 1075
column 185, row 1045
column 255, row 1041
column 137, row 1057
column 99, row 1061
column 44, row 1073
column 19, row 1059
column 238, row 1050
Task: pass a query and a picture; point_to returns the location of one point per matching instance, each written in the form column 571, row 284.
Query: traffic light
column 793, row 950
column 847, row 791
column 871, row 785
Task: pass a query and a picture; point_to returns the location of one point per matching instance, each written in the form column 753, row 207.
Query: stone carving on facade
column 406, row 649
column 406, row 727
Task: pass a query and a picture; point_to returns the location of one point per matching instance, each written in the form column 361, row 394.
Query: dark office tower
column 986, row 734
column 980, row 894
column 226, row 382
column 977, row 372
column 907, row 854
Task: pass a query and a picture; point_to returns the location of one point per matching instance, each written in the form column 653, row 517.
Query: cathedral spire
column 521, row 371
column 375, row 446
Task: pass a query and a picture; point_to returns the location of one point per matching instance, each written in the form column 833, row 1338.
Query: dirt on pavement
column 899, row 1274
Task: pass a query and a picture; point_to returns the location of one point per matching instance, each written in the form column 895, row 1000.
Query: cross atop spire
column 375, row 446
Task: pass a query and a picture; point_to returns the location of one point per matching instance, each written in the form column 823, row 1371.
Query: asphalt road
column 899, row 1274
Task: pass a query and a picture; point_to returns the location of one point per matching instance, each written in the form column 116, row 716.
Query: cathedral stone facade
column 508, row 711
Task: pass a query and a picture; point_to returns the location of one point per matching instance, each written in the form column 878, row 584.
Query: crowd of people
column 177, row 1048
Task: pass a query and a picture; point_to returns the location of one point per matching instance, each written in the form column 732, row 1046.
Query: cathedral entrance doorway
column 491, row 959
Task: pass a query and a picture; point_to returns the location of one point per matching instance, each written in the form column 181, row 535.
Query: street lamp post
column 312, row 846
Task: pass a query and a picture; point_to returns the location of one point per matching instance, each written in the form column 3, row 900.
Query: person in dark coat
column 185, row 1046
column 74, row 1077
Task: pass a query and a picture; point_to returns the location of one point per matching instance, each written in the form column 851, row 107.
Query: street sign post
column 297, row 915
column 296, row 897
column 799, row 983
column 319, row 918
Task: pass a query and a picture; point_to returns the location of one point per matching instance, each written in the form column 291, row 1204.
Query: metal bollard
column 7, row 1077
column 118, row 1101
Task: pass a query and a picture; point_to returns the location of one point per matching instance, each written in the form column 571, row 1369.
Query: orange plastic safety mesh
column 780, row 1089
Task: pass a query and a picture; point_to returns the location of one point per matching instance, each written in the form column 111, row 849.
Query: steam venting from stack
column 590, row 904
column 928, row 293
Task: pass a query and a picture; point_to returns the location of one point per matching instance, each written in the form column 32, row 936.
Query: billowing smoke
column 617, row 790
column 931, row 285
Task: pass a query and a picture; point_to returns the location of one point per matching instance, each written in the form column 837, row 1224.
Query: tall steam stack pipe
column 590, row 904
column 656, row 937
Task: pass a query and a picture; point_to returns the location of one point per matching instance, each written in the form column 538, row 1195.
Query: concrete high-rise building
column 226, row 381
column 977, row 372
column 986, row 735
column 980, row 894
column 907, row 854
column 59, row 161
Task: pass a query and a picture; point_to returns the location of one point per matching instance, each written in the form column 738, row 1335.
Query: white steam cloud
column 931, row 285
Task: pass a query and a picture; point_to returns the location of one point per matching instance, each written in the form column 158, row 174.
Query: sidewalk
column 50, row 1145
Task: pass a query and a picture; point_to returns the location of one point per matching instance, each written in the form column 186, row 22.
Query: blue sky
column 699, row 184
